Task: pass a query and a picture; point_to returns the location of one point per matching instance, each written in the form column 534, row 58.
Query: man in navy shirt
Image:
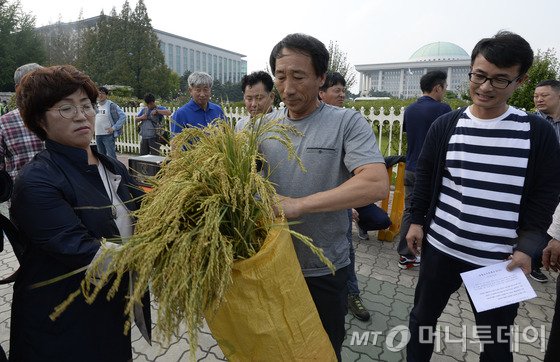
column 199, row 111
column 418, row 117
column 547, row 102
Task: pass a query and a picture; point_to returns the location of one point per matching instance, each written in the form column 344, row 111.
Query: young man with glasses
column 487, row 184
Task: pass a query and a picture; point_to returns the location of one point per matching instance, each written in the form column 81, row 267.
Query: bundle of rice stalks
column 208, row 208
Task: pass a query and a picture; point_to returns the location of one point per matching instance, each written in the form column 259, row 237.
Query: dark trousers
column 536, row 261
column 553, row 347
column 149, row 146
column 402, row 249
column 352, row 278
column 330, row 295
column 439, row 278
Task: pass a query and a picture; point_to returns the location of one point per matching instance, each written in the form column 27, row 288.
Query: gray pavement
column 387, row 292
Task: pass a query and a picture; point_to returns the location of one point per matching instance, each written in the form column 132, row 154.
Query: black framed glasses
column 499, row 83
column 69, row 111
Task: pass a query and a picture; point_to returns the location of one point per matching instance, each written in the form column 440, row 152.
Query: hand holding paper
column 495, row 286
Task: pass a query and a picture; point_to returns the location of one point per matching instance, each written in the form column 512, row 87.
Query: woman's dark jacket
column 59, row 205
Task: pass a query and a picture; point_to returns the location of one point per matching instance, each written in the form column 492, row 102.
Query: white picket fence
column 388, row 125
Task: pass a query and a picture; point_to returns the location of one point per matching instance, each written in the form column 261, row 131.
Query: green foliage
column 228, row 92
column 376, row 93
column 545, row 66
column 124, row 49
column 184, row 81
column 396, row 103
column 12, row 102
column 450, row 95
column 62, row 42
column 121, row 91
column 125, row 101
column 221, row 92
column 19, row 43
column 393, row 133
column 338, row 63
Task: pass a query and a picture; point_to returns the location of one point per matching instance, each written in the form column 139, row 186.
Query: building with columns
column 402, row 79
column 181, row 54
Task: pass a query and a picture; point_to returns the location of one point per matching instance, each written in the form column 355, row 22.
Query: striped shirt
column 477, row 211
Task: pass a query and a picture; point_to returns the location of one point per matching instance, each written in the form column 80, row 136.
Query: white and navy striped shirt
column 478, row 208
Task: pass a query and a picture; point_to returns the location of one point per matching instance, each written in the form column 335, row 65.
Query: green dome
column 440, row 50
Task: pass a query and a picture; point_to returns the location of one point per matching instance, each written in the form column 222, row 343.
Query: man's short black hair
column 104, row 90
column 149, row 98
column 304, row 44
column 431, row 80
column 255, row 78
column 332, row 79
column 505, row 49
column 552, row 83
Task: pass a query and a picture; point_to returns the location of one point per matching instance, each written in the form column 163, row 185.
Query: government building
column 402, row 79
column 181, row 54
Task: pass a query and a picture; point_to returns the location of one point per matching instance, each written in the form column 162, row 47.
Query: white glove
column 103, row 267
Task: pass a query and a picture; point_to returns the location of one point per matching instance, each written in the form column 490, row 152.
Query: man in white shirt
column 109, row 121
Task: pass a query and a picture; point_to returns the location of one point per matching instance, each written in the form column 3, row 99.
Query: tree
column 19, row 44
column 184, row 81
column 62, row 41
column 339, row 63
column 226, row 92
column 124, row 49
column 97, row 52
column 545, row 66
column 58, row 45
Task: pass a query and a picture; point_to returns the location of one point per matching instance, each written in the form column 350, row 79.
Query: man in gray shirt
column 151, row 125
column 344, row 170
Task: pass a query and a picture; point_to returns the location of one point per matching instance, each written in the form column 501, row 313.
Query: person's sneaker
column 407, row 263
column 362, row 234
column 357, row 307
column 538, row 275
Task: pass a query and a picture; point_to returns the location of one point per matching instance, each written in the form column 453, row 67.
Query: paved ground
column 388, row 293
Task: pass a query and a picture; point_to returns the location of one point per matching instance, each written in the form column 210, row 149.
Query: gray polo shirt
column 335, row 142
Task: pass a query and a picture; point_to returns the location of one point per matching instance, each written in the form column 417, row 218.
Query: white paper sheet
column 494, row 286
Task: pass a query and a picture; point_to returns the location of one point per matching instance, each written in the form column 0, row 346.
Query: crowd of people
column 482, row 184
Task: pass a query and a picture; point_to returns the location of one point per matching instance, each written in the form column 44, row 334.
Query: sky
column 368, row 31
